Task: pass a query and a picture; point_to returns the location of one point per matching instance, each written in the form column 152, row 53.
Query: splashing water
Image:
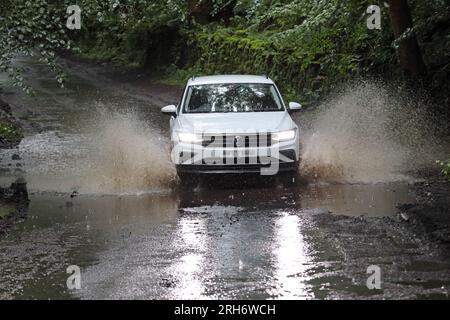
column 128, row 156
column 116, row 153
column 369, row 133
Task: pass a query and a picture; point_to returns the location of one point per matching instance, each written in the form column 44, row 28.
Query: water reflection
column 188, row 269
column 291, row 259
column 377, row 200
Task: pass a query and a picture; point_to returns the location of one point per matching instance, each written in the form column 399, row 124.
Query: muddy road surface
column 104, row 197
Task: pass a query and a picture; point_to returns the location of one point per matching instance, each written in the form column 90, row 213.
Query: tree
column 408, row 49
column 32, row 28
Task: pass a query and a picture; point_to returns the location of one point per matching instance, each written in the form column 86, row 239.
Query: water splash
column 367, row 133
column 115, row 153
column 127, row 156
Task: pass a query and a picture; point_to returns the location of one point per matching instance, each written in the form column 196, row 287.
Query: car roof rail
column 265, row 76
column 193, row 77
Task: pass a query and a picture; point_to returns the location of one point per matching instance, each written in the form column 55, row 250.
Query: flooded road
column 104, row 197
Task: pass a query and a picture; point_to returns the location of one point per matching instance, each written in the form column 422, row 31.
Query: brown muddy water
column 136, row 233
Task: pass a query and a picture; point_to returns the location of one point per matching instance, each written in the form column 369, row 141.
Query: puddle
column 373, row 200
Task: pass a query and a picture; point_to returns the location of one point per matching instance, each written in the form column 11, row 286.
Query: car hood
column 235, row 122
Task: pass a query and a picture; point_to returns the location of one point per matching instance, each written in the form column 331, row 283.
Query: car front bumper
column 233, row 169
column 190, row 158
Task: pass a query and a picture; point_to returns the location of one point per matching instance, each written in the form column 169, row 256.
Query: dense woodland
column 307, row 46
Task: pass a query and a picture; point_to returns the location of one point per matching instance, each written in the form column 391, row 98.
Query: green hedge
column 299, row 74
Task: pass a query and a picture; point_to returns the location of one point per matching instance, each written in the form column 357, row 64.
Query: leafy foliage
column 117, row 31
column 445, row 168
column 38, row 28
column 8, row 130
column 307, row 46
column 32, row 28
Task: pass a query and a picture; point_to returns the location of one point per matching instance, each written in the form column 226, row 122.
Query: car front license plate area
column 235, row 149
column 232, row 157
column 241, row 153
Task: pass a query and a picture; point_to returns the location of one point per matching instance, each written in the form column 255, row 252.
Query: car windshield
column 232, row 97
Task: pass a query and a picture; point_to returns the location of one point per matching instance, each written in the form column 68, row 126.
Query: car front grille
column 244, row 140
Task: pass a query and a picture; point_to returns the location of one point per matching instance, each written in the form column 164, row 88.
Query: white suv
column 233, row 124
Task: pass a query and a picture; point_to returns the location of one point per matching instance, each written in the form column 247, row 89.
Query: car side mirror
column 170, row 110
column 294, row 106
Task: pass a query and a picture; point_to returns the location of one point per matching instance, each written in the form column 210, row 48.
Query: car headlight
column 284, row 135
column 188, row 137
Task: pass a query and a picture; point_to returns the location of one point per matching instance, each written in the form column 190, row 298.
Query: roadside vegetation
column 8, row 131
column 11, row 132
column 307, row 46
column 445, row 168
